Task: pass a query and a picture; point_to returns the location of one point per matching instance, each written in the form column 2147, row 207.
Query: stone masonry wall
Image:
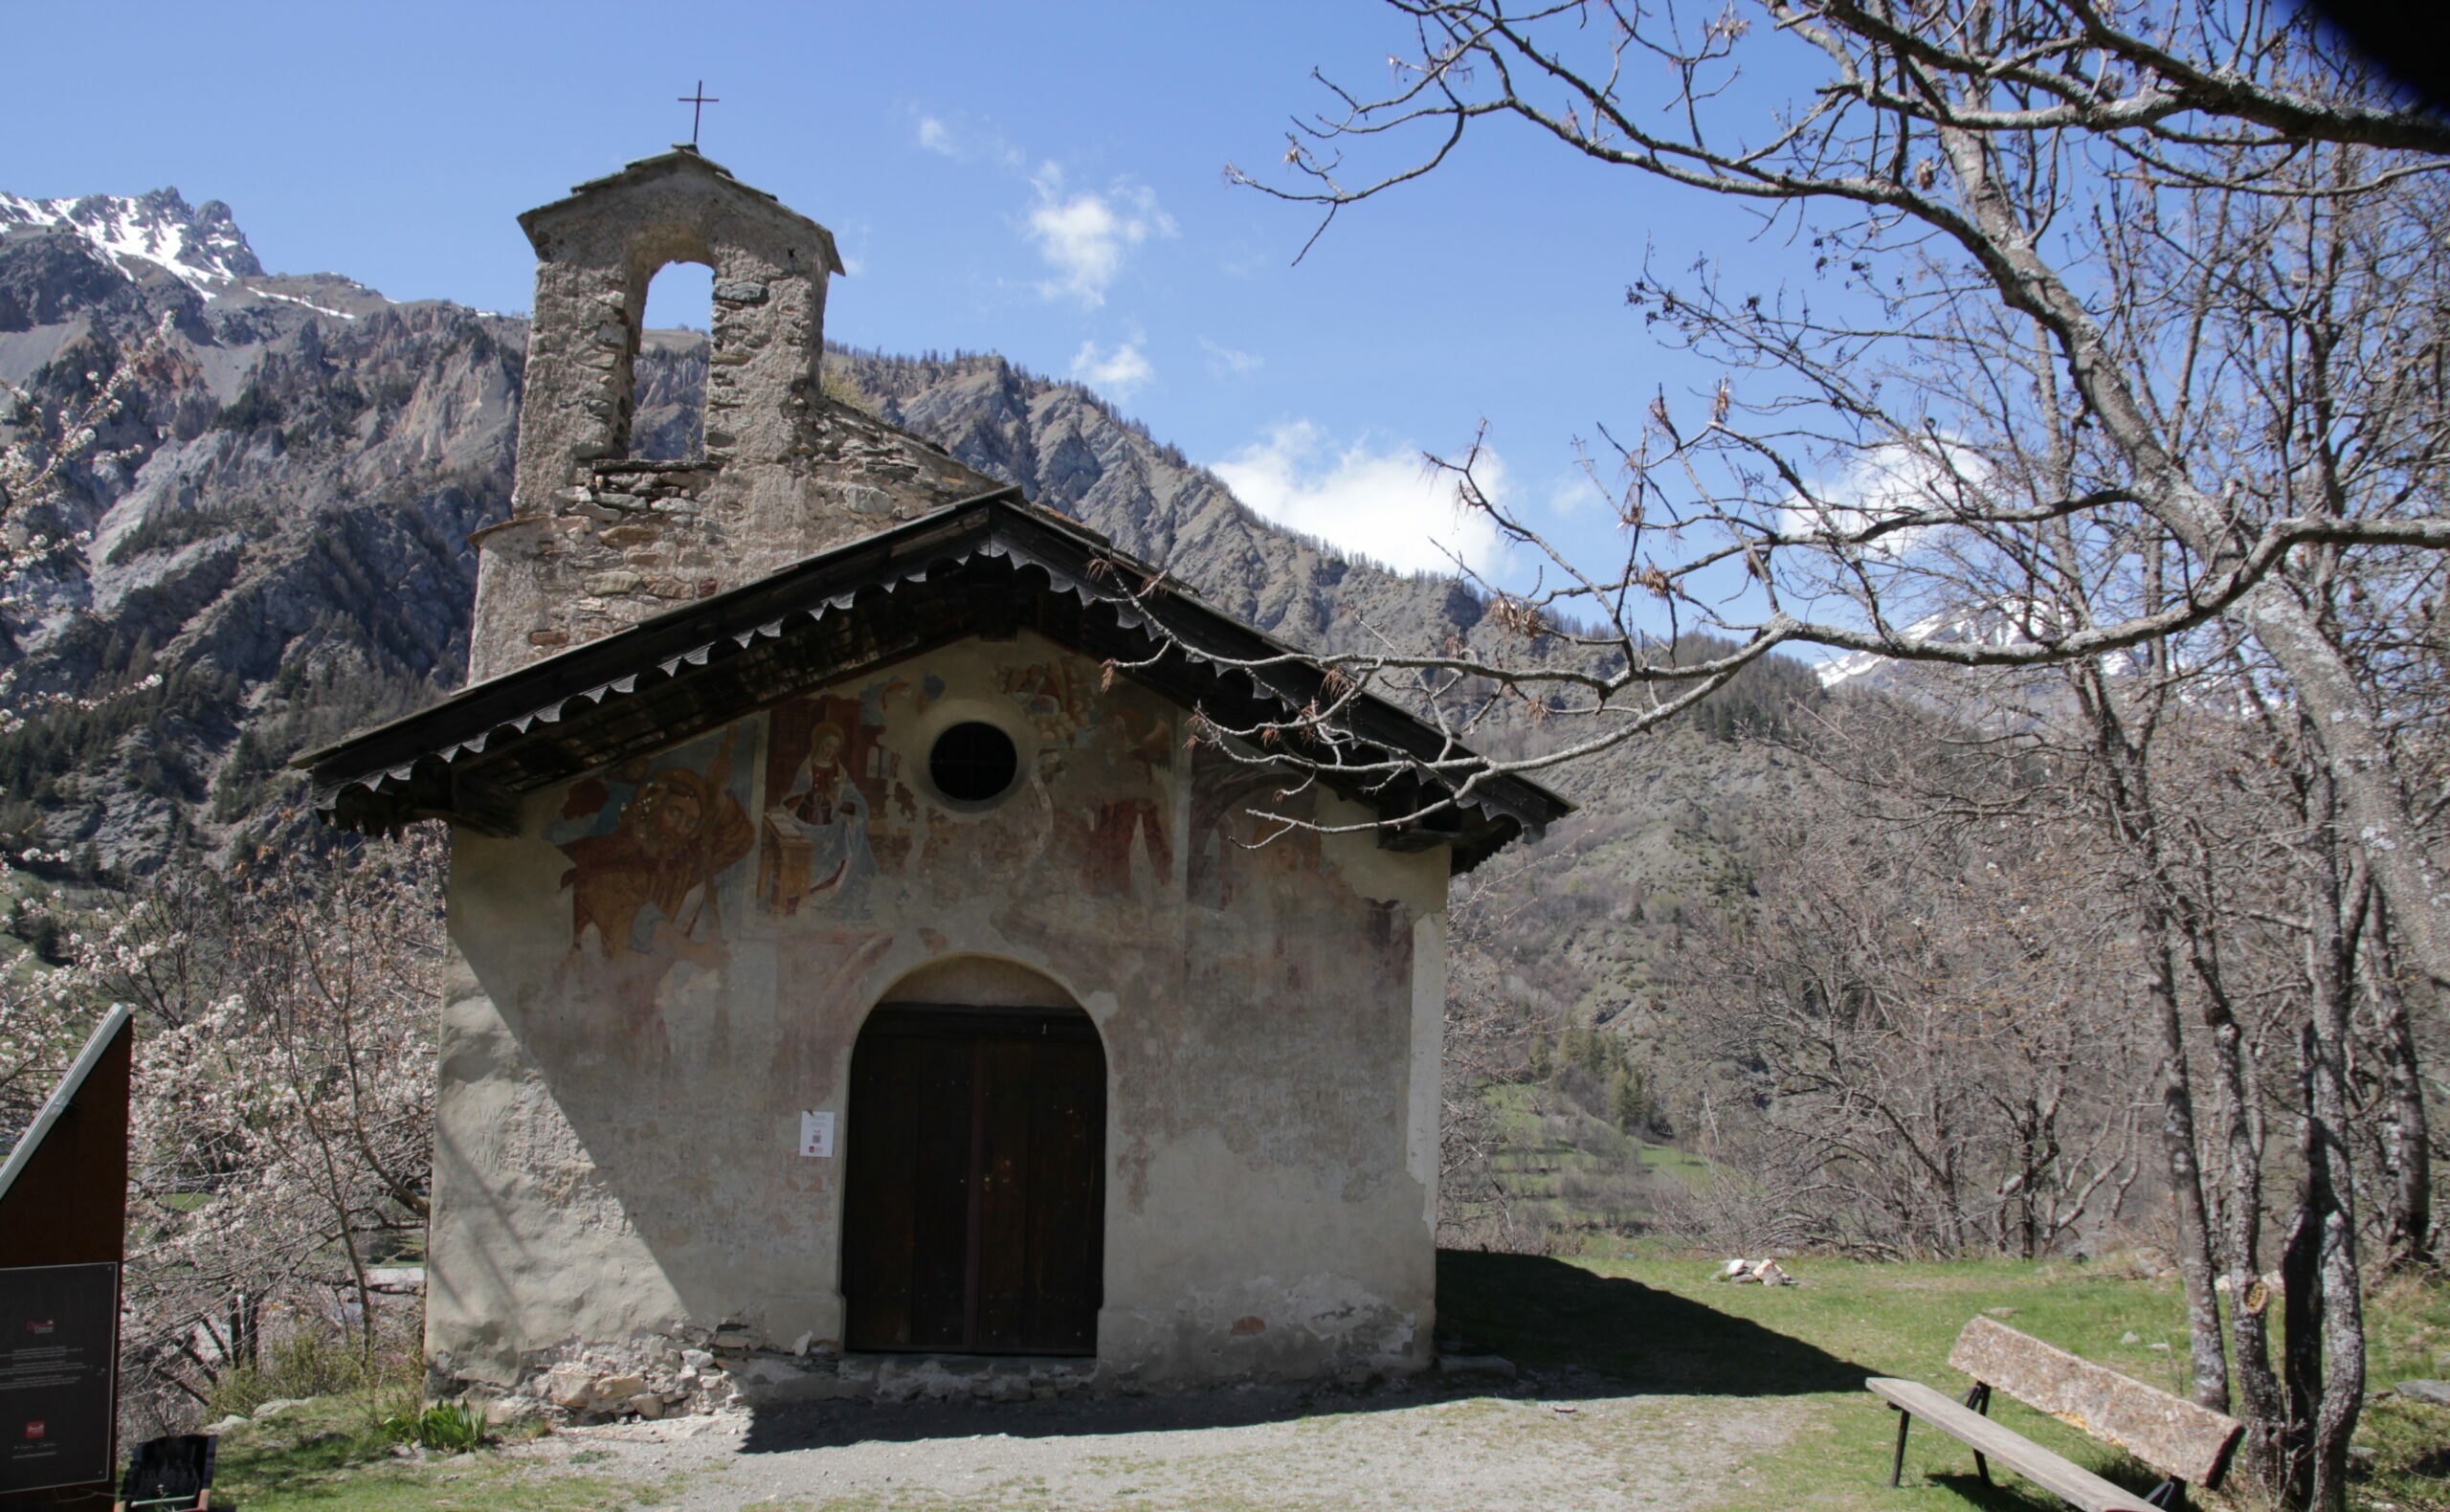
column 598, row 539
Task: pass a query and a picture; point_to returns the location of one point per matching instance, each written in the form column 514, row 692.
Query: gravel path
column 1567, row 1446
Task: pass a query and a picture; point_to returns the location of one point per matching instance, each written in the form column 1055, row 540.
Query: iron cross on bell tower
column 698, row 103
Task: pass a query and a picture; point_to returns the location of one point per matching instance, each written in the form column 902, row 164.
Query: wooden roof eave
column 471, row 758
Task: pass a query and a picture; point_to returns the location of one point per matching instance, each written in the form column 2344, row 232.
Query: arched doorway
column 974, row 1214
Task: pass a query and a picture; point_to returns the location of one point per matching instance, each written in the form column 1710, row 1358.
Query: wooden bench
column 2187, row 1443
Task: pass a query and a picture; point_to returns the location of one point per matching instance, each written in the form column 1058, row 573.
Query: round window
column 972, row 762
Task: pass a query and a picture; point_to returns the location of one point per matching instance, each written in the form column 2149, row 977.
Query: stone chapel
column 864, row 978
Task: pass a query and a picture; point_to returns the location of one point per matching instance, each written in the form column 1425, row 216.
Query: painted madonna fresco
column 827, row 776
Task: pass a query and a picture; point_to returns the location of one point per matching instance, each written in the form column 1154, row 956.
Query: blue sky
column 1042, row 180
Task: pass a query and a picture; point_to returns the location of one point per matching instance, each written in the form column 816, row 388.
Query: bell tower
column 599, row 538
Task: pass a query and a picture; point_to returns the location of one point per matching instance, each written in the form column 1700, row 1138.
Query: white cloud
column 1890, row 479
column 968, row 141
column 1386, row 504
column 1084, row 236
column 1115, row 373
column 1227, row 362
column 1575, row 492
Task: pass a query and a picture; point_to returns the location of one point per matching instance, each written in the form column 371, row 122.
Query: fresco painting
column 827, row 780
column 1106, row 765
column 1131, row 806
column 1235, row 850
column 844, row 831
column 1051, row 695
column 654, row 847
column 1262, row 873
column 843, row 813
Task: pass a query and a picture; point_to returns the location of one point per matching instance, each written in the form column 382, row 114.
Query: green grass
column 332, row 1455
column 1684, row 1164
column 1659, row 1324
column 2407, row 1328
column 1646, row 1323
column 1586, row 1174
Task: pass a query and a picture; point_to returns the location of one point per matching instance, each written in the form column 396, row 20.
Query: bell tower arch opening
column 681, row 297
column 597, row 253
column 974, row 1189
column 668, row 381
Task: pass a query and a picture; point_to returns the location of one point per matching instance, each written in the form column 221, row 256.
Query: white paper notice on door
column 816, row 1134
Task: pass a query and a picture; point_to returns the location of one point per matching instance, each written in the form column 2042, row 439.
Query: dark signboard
column 58, row 1327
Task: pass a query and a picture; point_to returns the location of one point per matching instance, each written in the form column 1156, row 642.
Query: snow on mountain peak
column 201, row 244
column 2006, row 622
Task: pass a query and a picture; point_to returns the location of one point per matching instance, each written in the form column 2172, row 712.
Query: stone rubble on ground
column 2435, row 1392
column 677, row 1377
column 598, row 1386
column 1764, row 1272
column 512, row 1412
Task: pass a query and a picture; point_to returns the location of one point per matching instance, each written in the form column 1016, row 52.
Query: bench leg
column 1896, row 1466
column 2169, row 1495
column 1979, row 1399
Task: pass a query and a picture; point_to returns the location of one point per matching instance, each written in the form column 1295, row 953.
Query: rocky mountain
column 271, row 550
column 200, row 245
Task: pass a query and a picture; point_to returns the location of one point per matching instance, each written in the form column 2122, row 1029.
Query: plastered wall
column 670, row 963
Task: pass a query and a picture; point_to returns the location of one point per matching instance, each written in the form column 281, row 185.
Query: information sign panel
column 59, row 1355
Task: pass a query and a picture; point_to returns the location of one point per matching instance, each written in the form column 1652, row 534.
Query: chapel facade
column 869, row 974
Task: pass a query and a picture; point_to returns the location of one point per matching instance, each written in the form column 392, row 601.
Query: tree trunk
column 2407, row 1141
column 2207, row 1354
column 2329, row 1214
column 2340, row 714
column 2342, row 1389
column 2260, row 1404
column 2301, row 1296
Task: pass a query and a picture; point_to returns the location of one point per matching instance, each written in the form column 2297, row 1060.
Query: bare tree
column 2039, row 231
column 1921, row 991
column 1483, row 1047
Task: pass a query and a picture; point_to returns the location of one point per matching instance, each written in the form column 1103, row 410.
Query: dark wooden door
column 974, row 1218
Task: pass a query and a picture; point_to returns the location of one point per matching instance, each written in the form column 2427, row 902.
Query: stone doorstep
column 907, row 1377
column 866, row 1367
column 1048, row 1366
